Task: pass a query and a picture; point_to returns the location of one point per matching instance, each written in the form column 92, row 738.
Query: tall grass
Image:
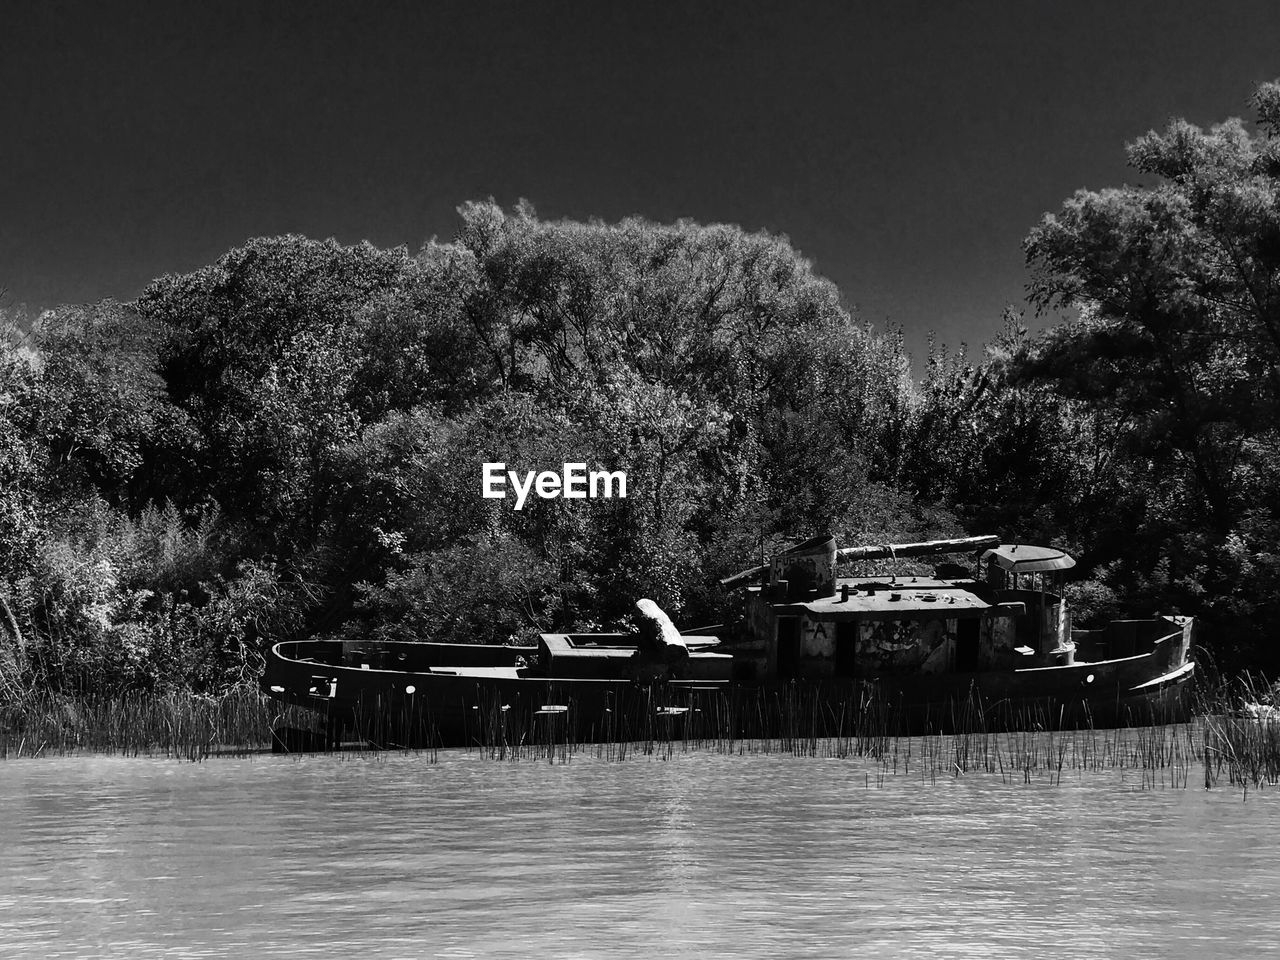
column 1233, row 740
column 184, row 725
column 1240, row 738
column 958, row 738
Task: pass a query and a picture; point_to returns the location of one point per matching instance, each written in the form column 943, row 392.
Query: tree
column 263, row 352
column 1178, row 288
column 732, row 323
column 97, row 404
column 1177, row 340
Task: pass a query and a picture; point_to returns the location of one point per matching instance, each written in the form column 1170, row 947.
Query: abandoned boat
column 987, row 646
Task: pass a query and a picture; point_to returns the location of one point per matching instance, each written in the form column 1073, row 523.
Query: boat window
column 846, row 648
column 788, row 647
column 967, row 646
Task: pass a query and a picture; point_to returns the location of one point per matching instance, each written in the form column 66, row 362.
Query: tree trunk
column 9, row 627
column 12, row 659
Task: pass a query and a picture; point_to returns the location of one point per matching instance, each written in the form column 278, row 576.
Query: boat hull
column 491, row 700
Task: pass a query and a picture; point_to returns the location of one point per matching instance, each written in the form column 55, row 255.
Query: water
column 701, row 855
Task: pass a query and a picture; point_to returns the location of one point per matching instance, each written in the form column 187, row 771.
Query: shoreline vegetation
column 287, row 443
column 1232, row 741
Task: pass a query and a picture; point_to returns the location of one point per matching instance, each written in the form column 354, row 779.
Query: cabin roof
column 917, row 598
column 1024, row 558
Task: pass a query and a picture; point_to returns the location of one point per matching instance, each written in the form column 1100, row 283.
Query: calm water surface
column 697, row 856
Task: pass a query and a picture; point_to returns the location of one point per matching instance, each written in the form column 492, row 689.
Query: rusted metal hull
column 1129, row 692
column 489, row 701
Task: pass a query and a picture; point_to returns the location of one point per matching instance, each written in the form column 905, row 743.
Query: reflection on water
column 698, row 856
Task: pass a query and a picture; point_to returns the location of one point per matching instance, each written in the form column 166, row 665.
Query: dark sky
column 906, row 148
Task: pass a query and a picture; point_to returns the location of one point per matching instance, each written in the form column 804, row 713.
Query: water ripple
column 701, row 856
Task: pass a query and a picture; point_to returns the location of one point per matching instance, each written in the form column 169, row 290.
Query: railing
column 1126, row 638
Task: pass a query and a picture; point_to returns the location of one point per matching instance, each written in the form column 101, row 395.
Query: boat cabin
column 805, row 622
column 608, row 656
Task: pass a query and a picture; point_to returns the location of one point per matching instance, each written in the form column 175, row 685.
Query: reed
column 1234, row 739
column 1023, row 744
column 1027, row 744
column 1240, row 739
column 172, row 724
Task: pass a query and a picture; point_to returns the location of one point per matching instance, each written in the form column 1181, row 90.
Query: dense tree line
column 288, row 441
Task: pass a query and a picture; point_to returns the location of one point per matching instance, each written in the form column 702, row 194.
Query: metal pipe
column 883, row 550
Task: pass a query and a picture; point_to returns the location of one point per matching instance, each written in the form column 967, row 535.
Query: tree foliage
column 300, row 426
column 288, row 441
column 1177, row 346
